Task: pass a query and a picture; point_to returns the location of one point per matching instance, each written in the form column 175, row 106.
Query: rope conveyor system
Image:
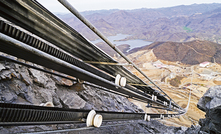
column 30, row 32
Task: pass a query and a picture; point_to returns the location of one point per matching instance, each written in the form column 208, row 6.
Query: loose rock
column 210, row 103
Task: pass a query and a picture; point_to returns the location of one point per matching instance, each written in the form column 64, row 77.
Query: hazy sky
column 86, row 5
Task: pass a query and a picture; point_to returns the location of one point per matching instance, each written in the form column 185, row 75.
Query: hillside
column 193, row 52
column 177, row 79
column 180, row 23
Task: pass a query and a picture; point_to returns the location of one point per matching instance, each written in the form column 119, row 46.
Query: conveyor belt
column 18, row 114
column 35, row 18
column 26, row 52
column 86, row 83
column 31, row 40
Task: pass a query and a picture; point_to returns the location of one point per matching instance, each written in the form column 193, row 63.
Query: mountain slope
column 193, row 52
column 180, row 23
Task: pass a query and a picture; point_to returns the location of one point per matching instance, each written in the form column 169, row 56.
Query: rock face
column 19, row 84
column 22, row 85
column 211, row 104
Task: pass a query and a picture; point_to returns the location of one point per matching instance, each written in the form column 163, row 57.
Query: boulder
column 211, row 99
column 211, row 104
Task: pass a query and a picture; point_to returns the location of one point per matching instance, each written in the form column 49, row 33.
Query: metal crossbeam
column 108, row 63
column 134, row 84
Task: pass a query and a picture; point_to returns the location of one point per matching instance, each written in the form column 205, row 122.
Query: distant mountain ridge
column 179, row 23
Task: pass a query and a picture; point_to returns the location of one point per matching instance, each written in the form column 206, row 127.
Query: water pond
column 133, row 43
